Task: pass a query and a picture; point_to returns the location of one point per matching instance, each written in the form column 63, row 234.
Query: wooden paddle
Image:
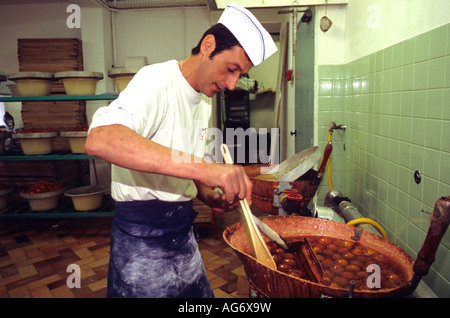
column 257, row 244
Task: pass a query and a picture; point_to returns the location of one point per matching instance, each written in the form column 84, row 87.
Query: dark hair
column 224, row 39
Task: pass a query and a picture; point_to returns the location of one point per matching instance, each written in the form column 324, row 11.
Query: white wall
column 366, row 26
column 159, row 34
column 30, row 21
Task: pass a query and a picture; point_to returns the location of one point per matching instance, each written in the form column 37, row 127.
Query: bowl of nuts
column 42, row 195
column 36, row 141
column 76, row 137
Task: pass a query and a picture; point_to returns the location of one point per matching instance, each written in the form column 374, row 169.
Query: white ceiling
column 118, row 4
column 211, row 4
column 215, row 4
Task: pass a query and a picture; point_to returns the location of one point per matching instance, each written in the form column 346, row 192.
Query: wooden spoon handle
column 257, row 243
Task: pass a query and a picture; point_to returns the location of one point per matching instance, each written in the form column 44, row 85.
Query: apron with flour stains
column 154, row 253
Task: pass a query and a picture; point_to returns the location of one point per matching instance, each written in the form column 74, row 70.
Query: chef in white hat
column 160, row 115
column 255, row 40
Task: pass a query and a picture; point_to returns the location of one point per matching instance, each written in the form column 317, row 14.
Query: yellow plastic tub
column 122, row 76
column 32, row 83
column 79, row 82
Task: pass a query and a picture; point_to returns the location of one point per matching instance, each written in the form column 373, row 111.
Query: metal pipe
column 335, row 200
column 348, row 212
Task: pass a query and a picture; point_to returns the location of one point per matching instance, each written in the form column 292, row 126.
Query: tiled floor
column 35, row 254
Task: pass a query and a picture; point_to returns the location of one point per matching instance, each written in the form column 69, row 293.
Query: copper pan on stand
column 295, row 173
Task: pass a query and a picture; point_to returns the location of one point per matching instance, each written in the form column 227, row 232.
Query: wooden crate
column 52, row 55
column 57, row 115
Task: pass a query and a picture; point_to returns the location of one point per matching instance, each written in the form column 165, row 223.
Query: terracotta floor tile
column 83, row 252
column 32, row 252
column 86, row 271
column 3, row 292
column 69, row 239
column 100, row 253
column 215, row 263
column 7, row 280
column 44, row 281
column 27, row 271
column 84, row 261
column 230, row 287
column 34, row 255
column 217, row 282
column 63, row 292
column 208, row 256
column 45, row 269
column 99, row 262
column 8, row 270
column 98, row 285
column 19, row 292
column 84, row 292
column 219, row 293
column 101, row 293
column 29, row 261
column 41, row 292
column 210, row 275
column 239, row 271
column 242, row 290
column 22, row 281
column 57, row 284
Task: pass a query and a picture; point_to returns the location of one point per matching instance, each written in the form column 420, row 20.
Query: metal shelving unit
column 57, row 98
column 17, row 155
column 21, row 210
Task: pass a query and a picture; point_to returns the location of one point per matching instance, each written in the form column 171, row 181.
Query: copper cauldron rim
column 320, row 227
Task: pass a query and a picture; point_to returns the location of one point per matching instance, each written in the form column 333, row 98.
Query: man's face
column 222, row 71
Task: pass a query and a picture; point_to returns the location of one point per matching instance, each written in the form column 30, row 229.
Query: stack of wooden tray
column 52, row 55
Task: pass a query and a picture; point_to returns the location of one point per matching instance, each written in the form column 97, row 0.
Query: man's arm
column 121, row 146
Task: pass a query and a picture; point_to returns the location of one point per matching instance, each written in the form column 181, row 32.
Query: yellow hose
column 371, row 222
column 330, row 186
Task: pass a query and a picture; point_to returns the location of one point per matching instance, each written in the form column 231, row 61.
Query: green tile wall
column 396, row 106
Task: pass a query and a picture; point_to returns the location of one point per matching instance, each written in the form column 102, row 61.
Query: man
column 155, row 119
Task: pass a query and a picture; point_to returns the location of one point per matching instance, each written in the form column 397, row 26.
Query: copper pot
column 263, row 190
column 273, row 283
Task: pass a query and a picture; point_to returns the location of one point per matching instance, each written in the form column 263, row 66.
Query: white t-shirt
column 158, row 104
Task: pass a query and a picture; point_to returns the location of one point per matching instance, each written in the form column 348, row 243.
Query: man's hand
column 215, row 198
column 231, row 179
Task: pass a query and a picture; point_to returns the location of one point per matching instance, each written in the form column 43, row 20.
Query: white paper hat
column 255, row 40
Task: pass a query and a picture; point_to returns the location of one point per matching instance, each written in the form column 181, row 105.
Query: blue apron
column 154, row 253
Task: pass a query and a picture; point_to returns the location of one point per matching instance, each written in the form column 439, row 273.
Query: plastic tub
column 77, row 139
column 36, row 143
column 42, row 201
column 79, row 82
column 86, row 198
column 32, row 83
column 122, row 76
